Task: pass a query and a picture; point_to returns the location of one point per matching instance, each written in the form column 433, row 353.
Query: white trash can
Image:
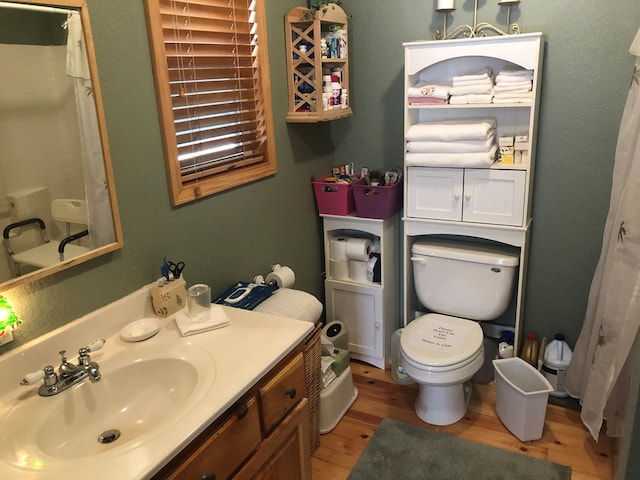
column 521, row 397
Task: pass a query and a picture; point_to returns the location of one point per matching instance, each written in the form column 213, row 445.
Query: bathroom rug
column 399, row 451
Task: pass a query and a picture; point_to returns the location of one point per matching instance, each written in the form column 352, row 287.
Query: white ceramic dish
column 140, row 329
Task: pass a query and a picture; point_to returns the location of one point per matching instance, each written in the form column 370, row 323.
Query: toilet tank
column 464, row 279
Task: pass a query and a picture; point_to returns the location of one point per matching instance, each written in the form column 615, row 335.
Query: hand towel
column 512, row 87
column 512, row 100
column 430, row 89
column 217, row 319
column 516, row 72
column 451, row 159
column 512, row 78
column 461, row 146
column 467, row 99
column 480, row 88
column 479, row 75
column 512, row 97
column 465, row 83
column 451, row 130
column 427, row 101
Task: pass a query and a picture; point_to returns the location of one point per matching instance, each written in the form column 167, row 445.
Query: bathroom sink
column 138, row 397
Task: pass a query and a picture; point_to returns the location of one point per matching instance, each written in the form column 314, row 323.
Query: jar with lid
column 529, row 351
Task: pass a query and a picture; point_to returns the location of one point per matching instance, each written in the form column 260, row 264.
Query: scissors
column 176, row 269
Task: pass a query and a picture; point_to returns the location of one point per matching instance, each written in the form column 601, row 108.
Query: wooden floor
column 564, row 440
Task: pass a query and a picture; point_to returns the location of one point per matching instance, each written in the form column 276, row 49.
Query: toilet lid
column 440, row 340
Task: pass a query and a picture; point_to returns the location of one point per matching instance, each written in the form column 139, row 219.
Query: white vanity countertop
column 240, row 354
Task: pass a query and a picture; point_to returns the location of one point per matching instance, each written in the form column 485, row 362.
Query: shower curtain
column 597, row 373
column 101, row 230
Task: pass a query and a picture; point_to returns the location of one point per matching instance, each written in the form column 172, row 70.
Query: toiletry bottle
column 529, row 351
column 323, row 48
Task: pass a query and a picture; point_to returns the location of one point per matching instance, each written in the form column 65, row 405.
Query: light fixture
column 477, row 29
column 9, row 320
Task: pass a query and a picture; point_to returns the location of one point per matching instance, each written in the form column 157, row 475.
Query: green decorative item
column 9, row 320
column 322, row 4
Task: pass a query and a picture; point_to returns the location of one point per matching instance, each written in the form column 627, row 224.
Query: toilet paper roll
column 283, row 277
column 339, row 269
column 338, row 248
column 336, row 332
column 358, row 270
column 358, row 248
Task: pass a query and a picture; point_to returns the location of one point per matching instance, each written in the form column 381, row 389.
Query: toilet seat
column 440, row 343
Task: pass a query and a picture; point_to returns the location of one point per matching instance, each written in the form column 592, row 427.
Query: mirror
column 53, row 140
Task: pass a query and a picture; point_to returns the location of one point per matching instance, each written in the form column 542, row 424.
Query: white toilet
column 441, row 351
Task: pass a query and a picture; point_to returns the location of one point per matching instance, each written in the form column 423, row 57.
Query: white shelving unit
column 491, row 203
column 370, row 311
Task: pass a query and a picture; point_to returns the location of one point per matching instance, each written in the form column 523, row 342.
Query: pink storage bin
column 334, row 198
column 379, row 201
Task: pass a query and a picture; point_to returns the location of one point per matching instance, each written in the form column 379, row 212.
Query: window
column 212, row 82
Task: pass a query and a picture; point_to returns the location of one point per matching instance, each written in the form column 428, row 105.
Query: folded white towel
column 452, row 130
column 512, row 78
column 512, row 87
column 217, row 319
column 451, row 159
column 484, row 73
column 513, row 97
column 460, row 146
column 516, row 72
column 430, row 89
column 478, row 88
column 472, row 98
column 465, row 83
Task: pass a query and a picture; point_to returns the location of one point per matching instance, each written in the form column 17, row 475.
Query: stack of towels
column 429, row 93
column 457, row 143
column 513, row 86
column 472, row 88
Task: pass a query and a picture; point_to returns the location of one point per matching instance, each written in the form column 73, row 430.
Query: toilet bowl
column 460, row 283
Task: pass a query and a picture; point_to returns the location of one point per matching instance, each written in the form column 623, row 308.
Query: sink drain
column 109, row 436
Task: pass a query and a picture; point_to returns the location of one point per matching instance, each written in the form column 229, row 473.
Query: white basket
column 521, row 397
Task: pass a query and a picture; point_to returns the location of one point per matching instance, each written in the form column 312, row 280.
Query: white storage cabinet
column 369, row 310
column 481, row 195
column 491, row 203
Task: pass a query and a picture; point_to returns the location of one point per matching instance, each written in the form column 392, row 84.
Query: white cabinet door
column 435, row 193
column 494, row 196
column 360, row 308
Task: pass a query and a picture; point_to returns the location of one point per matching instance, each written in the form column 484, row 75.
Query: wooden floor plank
column 565, row 440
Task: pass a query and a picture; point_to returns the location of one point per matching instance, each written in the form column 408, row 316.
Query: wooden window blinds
column 212, row 81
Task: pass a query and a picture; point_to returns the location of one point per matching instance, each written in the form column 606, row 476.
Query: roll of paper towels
column 337, row 334
column 339, row 269
column 358, row 270
column 358, row 248
column 283, row 277
column 338, row 248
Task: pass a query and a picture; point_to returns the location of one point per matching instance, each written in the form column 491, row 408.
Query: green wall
column 237, row 234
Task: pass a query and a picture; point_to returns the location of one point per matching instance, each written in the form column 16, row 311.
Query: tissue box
column 168, row 296
column 340, row 361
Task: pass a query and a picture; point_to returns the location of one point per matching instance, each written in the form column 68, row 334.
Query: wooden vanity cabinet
column 265, row 435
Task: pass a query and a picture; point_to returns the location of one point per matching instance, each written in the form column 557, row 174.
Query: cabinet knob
column 467, row 197
column 291, row 393
column 456, row 196
column 209, row 476
column 378, row 324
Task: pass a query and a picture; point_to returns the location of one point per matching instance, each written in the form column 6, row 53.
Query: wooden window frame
column 183, row 187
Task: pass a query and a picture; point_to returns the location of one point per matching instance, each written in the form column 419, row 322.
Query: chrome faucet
column 68, row 373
